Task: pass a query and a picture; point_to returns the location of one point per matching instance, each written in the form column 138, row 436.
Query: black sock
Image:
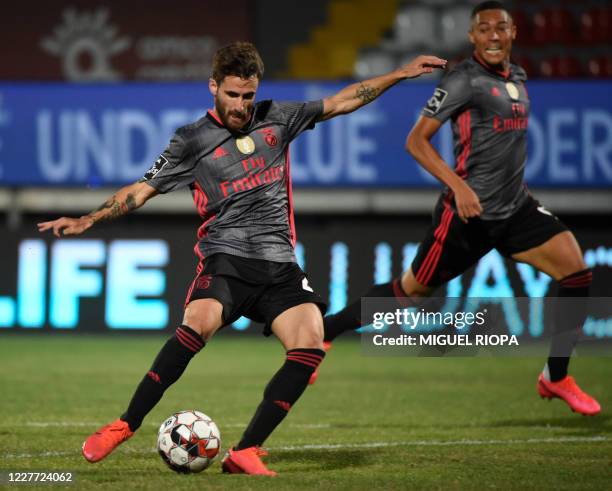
column 168, row 366
column 568, row 322
column 349, row 318
column 280, row 394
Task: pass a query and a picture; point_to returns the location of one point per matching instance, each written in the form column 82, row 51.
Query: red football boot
column 246, row 461
column 568, row 390
column 105, row 440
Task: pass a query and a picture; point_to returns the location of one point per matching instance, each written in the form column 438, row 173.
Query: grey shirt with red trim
column 489, row 112
column 240, row 181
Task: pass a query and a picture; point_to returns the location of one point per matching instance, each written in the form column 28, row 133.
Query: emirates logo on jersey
column 519, row 121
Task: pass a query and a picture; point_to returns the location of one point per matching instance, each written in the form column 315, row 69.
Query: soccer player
column 485, row 203
column 235, row 160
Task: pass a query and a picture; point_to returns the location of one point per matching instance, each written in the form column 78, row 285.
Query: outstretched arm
column 122, row 202
column 359, row 94
column 418, row 144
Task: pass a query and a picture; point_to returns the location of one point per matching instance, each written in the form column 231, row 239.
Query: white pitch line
column 342, row 446
column 441, row 443
column 36, row 455
column 75, row 424
column 66, row 424
column 93, row 424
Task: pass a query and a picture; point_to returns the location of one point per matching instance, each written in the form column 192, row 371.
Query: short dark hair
column 489, row 5
column 240, row 59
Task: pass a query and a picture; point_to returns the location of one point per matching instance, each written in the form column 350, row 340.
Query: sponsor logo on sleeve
column 435, row 103
column 157, row 166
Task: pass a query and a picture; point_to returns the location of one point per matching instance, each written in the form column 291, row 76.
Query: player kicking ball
column 235, row 162
column 486, row 204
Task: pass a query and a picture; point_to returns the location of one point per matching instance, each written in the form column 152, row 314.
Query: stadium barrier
column 95, row 135
column 132, row 276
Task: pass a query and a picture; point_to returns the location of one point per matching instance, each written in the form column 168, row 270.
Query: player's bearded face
column 234, row 99
column 492, row 34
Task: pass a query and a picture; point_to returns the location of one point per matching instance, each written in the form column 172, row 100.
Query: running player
column 485, row 204
column 235, row 160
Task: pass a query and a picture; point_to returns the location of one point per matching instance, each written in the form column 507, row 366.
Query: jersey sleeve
column 300, row 116
column 173, row 169
column 450, row 97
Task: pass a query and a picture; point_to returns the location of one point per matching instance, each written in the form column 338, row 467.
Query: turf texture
column 368, row 422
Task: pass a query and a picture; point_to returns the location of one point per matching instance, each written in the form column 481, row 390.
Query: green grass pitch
column 368, row 423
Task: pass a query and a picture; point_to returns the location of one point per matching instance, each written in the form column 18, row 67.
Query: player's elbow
column 141, row 192
column 335, row 106
column 414, row 142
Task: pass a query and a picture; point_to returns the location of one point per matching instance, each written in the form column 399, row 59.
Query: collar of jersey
column 505, row 74
column 213, row 116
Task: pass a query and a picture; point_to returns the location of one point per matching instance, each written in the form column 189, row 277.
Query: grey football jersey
column 489, row 112
column 240, row 181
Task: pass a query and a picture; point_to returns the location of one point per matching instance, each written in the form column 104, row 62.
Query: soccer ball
column 188, row 441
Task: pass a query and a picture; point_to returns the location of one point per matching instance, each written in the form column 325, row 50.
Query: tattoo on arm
column 115, row 209
column 366, row 94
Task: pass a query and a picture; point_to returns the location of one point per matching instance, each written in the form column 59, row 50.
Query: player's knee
column 311, row 333
column 574, row 266
column 203, row 328
column 412, row 288
column 204, row 317
column 566, row 258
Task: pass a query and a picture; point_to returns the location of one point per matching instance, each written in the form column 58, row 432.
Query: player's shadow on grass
column 324, row 460
column 586, row 424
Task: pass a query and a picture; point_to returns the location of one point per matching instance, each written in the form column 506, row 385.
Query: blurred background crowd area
column 82, row 113
column 93, row 41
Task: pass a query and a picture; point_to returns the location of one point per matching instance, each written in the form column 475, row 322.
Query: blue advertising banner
column 63, row 134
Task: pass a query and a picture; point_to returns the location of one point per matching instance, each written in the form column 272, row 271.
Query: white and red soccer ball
column 188, row 441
